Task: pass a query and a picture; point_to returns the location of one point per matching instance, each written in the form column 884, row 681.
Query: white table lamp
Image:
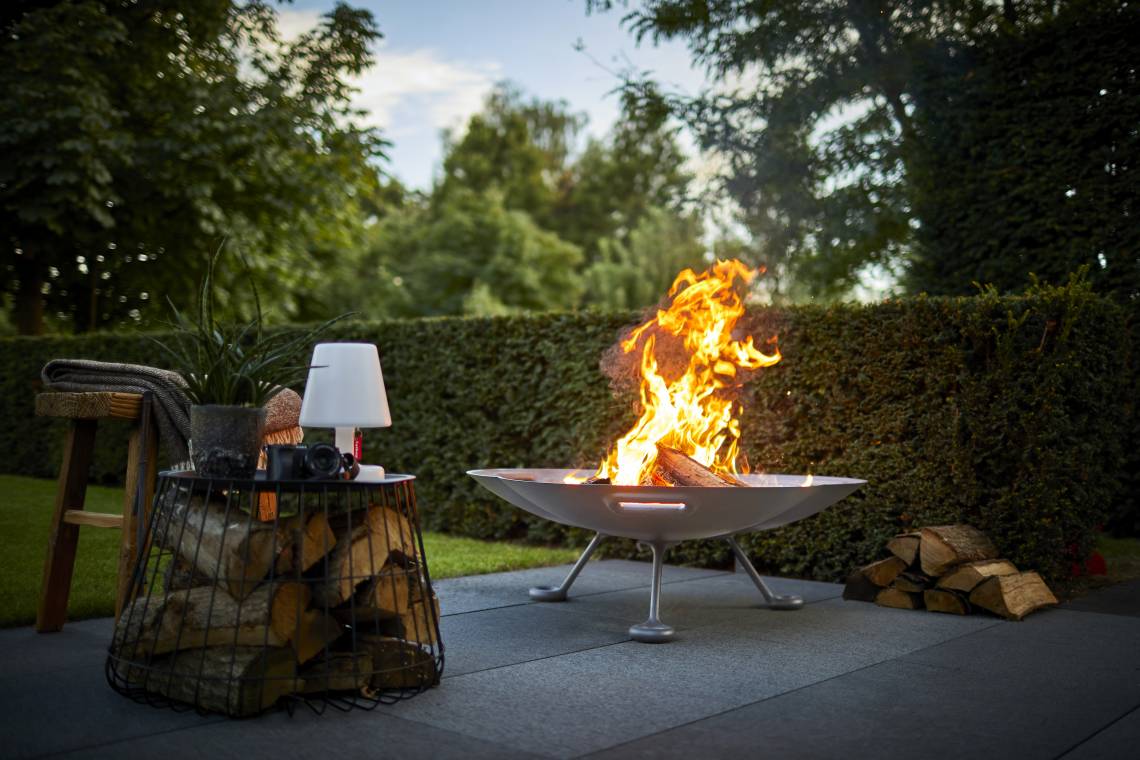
column 345, row 390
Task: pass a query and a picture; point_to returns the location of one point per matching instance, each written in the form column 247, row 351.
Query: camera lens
column 323, row 460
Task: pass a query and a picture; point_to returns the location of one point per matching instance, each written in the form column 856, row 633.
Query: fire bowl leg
column 773, row 600
column 558, row 593
column 653, row 631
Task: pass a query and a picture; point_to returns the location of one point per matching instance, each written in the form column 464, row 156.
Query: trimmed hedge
column 1007, row 413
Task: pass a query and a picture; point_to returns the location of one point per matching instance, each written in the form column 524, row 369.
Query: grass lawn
column 25, row 511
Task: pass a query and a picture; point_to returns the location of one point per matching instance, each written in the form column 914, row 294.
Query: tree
column 634, row 274
column 519, row 147
column 138, row 137
column 813, row 113
column 468, row 254
column 1032, row 160
column 637, row 170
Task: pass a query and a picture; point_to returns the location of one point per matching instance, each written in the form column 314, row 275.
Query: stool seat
column 83, row 412
column 89, row 406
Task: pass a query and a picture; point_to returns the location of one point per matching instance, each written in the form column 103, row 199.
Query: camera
column 321, row 461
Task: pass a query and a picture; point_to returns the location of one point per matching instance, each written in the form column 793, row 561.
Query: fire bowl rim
column 751, row 479
column 664, row 514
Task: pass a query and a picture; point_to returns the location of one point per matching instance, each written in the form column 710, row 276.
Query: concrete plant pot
column 225, row 441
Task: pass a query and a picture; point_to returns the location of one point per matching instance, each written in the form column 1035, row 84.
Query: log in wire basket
column 253, row 594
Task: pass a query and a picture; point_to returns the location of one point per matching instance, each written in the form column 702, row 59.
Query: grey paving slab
column 593, row 699
column 733, row 599
column 510, row 635
column 480, row 592
column 71, row 708
column 1053, row 645
column 833, row 679
column 1121, row 599
column 79, row 644
column 1118, row 740
column 356, row 734
column 884, row 711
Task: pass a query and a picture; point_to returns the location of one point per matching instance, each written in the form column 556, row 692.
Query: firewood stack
column 948, row 568
column 241, row 611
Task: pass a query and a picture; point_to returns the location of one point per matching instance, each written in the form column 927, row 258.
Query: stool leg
column 63, row 537
column 142, row 436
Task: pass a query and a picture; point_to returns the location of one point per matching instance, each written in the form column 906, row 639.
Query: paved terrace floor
column 835, row 679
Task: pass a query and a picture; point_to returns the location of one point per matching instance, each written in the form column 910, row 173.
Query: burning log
column 676, row 469
column 959, row 573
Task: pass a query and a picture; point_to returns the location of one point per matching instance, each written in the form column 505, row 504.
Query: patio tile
column 732, row 599
column 1118, row 740
column 1121, row 599
column 1053, row 645
column 590, row 700
column 510, row 635
column 355, row 734
column 65, row 709
column 79, row 644
column 898, row 709
column 481, row 592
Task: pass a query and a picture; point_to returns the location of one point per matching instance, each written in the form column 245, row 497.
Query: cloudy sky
column 439, row 58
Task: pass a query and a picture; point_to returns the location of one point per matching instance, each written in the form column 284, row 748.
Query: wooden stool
column 84, row 410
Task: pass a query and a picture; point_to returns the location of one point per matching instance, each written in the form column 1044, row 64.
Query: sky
column 439, row 59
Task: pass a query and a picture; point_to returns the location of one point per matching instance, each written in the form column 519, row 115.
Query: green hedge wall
column 1007, row 413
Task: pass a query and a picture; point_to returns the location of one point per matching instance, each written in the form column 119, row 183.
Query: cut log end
column 942, row 600
column 905, row 547
column 1013, row 596
column 945, row 546
column 903, row 600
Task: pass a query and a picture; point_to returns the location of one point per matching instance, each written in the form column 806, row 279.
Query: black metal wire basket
column 253, row 594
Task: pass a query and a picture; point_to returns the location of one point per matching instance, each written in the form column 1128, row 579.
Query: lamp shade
column 345, row 388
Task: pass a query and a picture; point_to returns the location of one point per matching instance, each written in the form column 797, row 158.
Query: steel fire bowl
column 666, row 515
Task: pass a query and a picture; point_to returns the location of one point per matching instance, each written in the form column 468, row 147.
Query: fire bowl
column 662, row 516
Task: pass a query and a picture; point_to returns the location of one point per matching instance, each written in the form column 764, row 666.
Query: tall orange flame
column 688, row 413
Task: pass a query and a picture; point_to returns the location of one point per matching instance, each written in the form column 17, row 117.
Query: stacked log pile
column 244, row 611
column 948, row 568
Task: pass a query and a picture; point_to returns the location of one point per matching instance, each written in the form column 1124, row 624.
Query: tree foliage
column 814, row 112
column 521, row 219
column 139, row 135
column 1031, row 160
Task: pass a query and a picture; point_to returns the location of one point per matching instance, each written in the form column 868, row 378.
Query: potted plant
column 231, row 369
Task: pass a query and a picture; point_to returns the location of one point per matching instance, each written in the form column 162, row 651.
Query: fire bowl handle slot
column 652, row 506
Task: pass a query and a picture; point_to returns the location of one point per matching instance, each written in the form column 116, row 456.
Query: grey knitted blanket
column 171, row 407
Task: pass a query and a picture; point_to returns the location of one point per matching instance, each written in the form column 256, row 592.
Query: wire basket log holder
column 254, row 594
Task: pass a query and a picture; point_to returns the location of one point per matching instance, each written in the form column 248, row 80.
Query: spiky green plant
column 236, row 363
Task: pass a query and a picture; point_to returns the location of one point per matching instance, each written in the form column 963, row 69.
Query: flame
column 690, row 413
